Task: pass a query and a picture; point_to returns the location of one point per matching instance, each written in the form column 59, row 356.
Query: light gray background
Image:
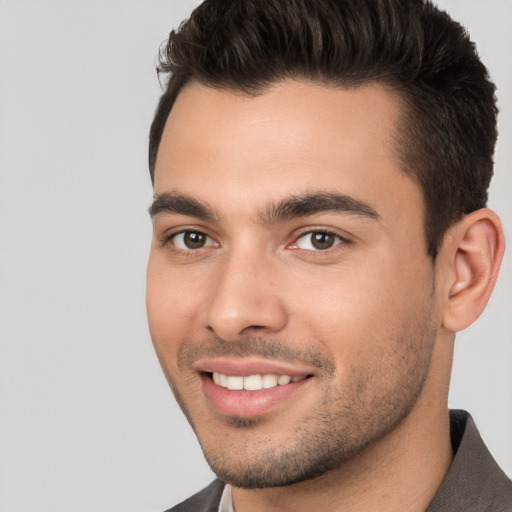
column 87, row 422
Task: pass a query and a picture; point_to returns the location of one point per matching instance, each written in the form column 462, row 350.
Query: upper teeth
column 253, row 382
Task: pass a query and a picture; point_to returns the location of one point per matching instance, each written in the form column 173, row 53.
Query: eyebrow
column 286, row 209
column 181, row 205
column 319, row 202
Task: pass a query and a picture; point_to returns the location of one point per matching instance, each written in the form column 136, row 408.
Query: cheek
column 361, row 309
column 169, row 303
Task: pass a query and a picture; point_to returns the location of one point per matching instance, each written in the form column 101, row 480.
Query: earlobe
column 474, row 255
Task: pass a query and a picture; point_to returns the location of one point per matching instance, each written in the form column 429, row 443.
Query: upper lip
column 243, row 367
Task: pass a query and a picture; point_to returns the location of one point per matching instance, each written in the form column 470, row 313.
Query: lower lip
column 248, row 404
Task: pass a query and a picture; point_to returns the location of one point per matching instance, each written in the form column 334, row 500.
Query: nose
column 246, row 300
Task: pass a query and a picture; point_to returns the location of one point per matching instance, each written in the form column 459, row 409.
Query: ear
column 473, row 254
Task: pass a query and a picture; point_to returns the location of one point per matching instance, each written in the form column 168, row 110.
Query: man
column 320, row 171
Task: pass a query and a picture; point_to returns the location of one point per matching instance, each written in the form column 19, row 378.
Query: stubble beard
column 345, row 423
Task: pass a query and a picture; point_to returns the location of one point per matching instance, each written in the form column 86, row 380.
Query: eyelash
column 171, row 240
column 338, row 240
column 210, row 242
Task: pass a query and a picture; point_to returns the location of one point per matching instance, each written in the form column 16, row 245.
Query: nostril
column 254, row 328
column 231, row 318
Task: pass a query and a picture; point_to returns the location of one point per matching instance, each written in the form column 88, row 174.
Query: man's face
column 289, row 259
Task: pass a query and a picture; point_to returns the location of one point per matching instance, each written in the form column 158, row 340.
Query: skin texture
column 363, row 317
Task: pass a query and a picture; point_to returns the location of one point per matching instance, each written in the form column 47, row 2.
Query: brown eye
column 194, row 240
column 318, row 241
column 190, row 240
column 322, row 240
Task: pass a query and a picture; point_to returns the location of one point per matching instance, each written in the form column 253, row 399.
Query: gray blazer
column 474, row 483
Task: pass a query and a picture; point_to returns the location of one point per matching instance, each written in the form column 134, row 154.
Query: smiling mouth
column 244, row 392
column 255, row 382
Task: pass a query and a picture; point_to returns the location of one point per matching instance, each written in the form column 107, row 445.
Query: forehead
column 292, row 138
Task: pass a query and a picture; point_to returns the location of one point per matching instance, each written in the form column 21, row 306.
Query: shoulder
column 475, row 481
column 206, row 500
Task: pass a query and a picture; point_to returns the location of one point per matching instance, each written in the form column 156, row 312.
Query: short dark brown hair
column 448, row 129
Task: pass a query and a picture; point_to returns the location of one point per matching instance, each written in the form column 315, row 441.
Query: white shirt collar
column 226, row 501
